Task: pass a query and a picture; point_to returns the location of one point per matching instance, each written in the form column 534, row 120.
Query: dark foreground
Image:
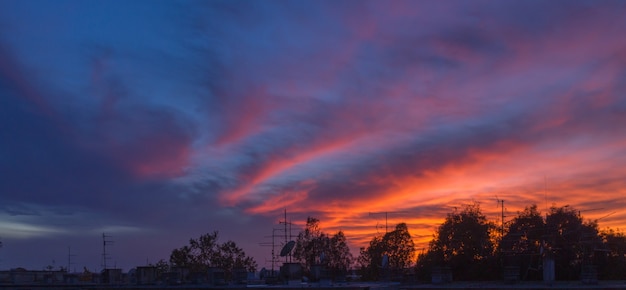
column 494, row 285
column 344, row 286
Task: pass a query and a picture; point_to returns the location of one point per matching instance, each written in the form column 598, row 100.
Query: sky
column 154, row 122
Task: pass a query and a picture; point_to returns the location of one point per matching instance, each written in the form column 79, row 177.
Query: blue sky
column 158, row 121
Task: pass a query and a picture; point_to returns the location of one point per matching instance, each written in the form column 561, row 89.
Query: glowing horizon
column 161, row 121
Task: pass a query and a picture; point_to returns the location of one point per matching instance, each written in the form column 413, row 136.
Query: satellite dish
column 287, row 248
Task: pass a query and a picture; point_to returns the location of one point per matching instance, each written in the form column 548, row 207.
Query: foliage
column 393, row 252
column 206, row 252
column 563, row 236
column 570, row 240
column 370, row 259
column 228, row 256
column 521, row 244
column 183, row 257
column 399, row 247
column 611, row 260
column 314, row 247
column 464, row 243
column 161, row 266
column 339, row 256
column 309, row 246
column 426, row 261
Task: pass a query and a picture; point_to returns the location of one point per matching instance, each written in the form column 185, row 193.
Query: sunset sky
column 158, row 121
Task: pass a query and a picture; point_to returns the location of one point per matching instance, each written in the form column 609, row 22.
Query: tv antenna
column 501, row 203
column 69, row 258
column 608, row 215
column 105, row 257
column 287, row 237
column 386, row 213
column 545, row 192
column 273, row 245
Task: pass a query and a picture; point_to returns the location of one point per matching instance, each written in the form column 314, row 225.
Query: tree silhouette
column 399, row 247
column 183, row 257
column 314, row 247
column 229, row 256
column 521, row 245
column 339, row 257
column 309, row 244
column 205, row 252
column 370, row 259
column 464, row 242
column 162, row 267
column 612, row 260
column 393, row 252
column 570, row 240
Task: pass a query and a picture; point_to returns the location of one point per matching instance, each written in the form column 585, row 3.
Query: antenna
column 386, row 219
column 105, row 257
column 287, row 235
column 69, row 258
column 273, row 245
column 0, row 248
column 545, row 192
column 586, row 210
column 386, row 213
column 501, row 202
column 608, row 215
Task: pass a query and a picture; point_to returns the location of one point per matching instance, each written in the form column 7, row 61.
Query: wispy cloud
column 187, row 117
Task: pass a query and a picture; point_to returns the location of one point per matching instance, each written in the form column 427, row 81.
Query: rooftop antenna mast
column 287, row 234
column 69, row 258
column 501, row 202
column 273, row 245
column 545, row 192
column 105, row 257
column 386, row 213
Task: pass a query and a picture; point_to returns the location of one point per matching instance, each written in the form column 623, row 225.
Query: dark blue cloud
column 160, row 121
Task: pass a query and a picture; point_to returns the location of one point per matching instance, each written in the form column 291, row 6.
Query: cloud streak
column 166, row 120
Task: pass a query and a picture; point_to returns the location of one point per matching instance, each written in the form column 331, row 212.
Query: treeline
column 467, row 244
column 314, row 248
column 471, row 247
column 206, row 252
column 474, row 248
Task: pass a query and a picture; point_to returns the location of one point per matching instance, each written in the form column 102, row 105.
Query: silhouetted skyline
column 158, row 121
